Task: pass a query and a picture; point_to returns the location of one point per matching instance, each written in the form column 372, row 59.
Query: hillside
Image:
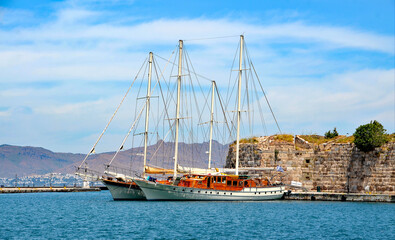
column 28, row 160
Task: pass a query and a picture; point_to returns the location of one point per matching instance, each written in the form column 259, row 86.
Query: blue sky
column 64, row 65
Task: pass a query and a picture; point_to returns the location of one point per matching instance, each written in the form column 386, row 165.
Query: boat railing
column 88, row 174
column 119, row 172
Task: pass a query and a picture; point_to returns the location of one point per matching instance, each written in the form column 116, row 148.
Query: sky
column 65, row 65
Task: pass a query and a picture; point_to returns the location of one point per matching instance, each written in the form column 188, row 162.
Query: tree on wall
column 369, row 136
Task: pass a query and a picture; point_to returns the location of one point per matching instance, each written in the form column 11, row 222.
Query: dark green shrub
column 369, row 136
column 330, row 134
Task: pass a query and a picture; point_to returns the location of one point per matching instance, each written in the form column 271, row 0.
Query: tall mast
column 178, row 108
column 211, row 125
column 147, row 111
column 238, row 104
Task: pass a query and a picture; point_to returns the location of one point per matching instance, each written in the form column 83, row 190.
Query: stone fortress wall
column 332, row 167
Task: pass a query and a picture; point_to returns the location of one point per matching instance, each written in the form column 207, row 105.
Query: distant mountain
column 26, row 161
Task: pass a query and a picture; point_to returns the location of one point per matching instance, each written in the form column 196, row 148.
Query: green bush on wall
column 369, row 136
column 330, row 134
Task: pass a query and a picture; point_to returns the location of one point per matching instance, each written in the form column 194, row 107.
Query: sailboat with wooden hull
column 206, row 187
column 170, row 192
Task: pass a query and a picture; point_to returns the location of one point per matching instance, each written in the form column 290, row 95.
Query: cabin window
column 235, row 183
column 240, row 184
column 245, row 184
column 229, row 183
column 223, row 179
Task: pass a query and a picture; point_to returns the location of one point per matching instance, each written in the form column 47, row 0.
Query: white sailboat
column 213, row 185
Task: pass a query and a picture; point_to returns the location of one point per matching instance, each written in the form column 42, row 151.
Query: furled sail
column 181, row 169
column 157, row 170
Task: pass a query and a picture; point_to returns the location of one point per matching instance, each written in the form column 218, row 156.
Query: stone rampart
column 331, row 167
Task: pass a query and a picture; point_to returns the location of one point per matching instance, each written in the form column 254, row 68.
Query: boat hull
column 124, row 191
column 156, row 191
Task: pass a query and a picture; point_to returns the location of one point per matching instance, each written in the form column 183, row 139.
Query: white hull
column 121, row 191
column 157, row 191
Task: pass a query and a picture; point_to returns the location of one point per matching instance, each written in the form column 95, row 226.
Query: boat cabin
column 221, row 182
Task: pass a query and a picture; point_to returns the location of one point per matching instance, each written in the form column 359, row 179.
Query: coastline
column 343, row 197
column 6, row 190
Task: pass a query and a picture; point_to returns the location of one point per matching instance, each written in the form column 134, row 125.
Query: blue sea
column 94, row 215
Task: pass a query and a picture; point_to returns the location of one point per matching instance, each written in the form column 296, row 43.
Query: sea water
column 94, row 215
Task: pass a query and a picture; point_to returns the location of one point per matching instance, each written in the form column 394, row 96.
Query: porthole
column 211, row 192
column 224, row 193
column 230, row 193
column 198, row 191
column 217, row 192
column 183, row 190
column 206, row 191
column 191, row 190
column 174, row 188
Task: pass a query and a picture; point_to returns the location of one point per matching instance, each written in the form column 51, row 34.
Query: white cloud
column 354, row 98
column 81, row 48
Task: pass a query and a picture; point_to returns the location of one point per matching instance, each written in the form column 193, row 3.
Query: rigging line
column 266, row 98
column 230, row 72
column 127, row 92
column 185, row 69
column 165, row 108
column 161, row 143
column 200, row 86
column 256, row 92
column 160, row 88
column 259, row 108
column 157, row 76
column 209, row 38
column 200, row 113
column 246, row 76
column 142, row 80
column 170, row 92
column 164, row 101
column 126, row 137
column 222, row 107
